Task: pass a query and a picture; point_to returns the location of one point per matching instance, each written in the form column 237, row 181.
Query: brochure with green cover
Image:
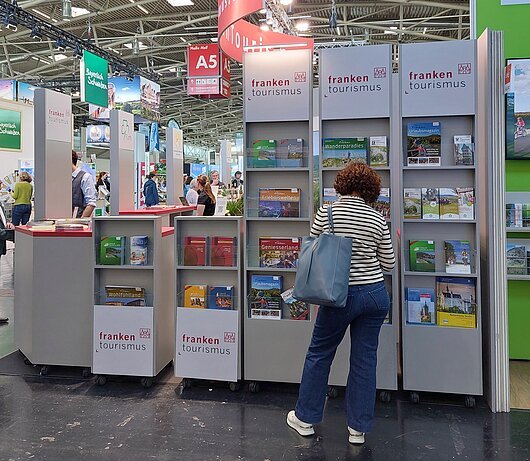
column 338, row 152
column 112, row 250
column 422, row 255
column 264, row 153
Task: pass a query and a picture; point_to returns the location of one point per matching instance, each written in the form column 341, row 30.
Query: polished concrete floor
column 70, row 418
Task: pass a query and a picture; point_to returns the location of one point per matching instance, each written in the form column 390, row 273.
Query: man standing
column 151, row 191
column 84, row 193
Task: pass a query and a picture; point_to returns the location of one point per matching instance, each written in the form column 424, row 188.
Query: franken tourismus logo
column 300, row 77
column 230, row 337
column 379, row 72
column 145, row 333
column 464, row 68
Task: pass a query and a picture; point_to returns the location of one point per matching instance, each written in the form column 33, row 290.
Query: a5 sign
column 208, row 71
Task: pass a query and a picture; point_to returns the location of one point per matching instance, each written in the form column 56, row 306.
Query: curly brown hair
column 359, row 179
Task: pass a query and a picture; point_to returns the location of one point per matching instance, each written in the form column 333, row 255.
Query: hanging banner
column 235, row 34
column 208, row 71
column 98, row 134
column 8, row 89
column 10, row 129
column 94, row 79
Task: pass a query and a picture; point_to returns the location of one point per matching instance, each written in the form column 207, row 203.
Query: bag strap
column 330, row 220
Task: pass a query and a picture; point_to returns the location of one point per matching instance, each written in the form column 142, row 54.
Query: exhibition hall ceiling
column 163, row 32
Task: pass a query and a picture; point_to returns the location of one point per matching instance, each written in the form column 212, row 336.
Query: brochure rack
column 134, row 341
column 221, row 325
column 285, row 113
column 364, row 114
column 444, row 359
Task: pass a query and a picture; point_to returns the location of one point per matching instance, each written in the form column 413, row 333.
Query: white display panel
column 438, row 78
column 207, row 344
column 355, row 82
column 58, row 117
column 278, row 85
column 123, row 341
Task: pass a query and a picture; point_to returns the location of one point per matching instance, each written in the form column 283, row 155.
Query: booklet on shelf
column 457, row 256
column 382, row 204
column 330, row 196
column 265, row 293
column 264, row 153
column 464, row 149
column 138, row 250
column 195, row 296
column 430, row 203
column 411, row 203
column 223, row 251
column 421, row 306
column 517, row 260
column 290, row 153
column 279, row 203
column 424, row 141
column 456, row 302
column 195, row 250
column 338, row 152
column 422, row 256
column 449, row 203
column 112, row 250
column 279, row 252
column 378, row 151
column 267, row 314
column 466, row 202
column 221, row 297
column 124, row 296
column 298, row 310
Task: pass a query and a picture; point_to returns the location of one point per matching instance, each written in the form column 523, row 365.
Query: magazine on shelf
column 466, row 202
column 456, row 302
column 290, row 153
column 265, row 293
column 337, row 152
column 279, row 203
column 138, row 250
column 421, row 306
column 124, row 296
column 424, row 141
column 330, row 196
column 464, row 149
column 266, row 314
column 195, row 250
column 298, row 310
column 378, row 151
column 457, row 256
column 430, row 203
column 449, row 203
column 517, row 261
column 112, row 250
column 279, row 252
column 195, row 296
column 223, row 251
column 221, row 297
column 382, row 204
column 422, row 255
column 411, row 203
column 264, row 153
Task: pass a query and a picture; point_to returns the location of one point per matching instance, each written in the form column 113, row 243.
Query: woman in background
column 206, row 196
column 22, row 195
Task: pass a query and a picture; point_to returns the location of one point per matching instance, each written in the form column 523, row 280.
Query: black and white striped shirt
column 372, row 251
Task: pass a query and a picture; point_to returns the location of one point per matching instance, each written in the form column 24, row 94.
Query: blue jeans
column 20, row 214
column 364, row 313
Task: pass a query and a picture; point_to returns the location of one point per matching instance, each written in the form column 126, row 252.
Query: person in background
column 22, row 195
column 84, row 195
column 237, row 181
column 364, row 314
column 6, row 233
column 192, row 196
column 101, row 185
column 215, row 179
column 151, row 191
column 206, row 196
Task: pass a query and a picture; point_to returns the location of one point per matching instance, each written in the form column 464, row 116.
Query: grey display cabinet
column 134, row 341
column 274, row 350
column 363, row 114
column 214, row 323
column 440, row 358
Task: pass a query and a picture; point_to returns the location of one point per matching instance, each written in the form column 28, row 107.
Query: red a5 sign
column 206, row 61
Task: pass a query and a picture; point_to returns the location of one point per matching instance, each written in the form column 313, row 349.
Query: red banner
column 208, row 72
column 203, row 60
column 235, row 33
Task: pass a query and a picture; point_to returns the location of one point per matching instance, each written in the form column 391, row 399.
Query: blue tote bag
column 324, row 268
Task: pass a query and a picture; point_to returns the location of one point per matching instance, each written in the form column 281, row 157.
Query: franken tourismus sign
column 94, row 79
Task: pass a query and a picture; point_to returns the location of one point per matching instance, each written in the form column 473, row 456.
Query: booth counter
column 168, row 213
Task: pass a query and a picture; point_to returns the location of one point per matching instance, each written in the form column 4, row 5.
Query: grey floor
column 70, row 418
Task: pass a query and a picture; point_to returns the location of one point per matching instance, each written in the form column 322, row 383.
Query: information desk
column 53, row 296
column 168, row 213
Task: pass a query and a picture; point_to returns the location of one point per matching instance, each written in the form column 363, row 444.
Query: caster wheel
column 385, row 397
column 187, row 383
column 333, row 392
column 147, row 382
column 414, row 397
column 470, row 401
column 253, row 387
column 234, row 387
column 44, row 370
column 101, row 380
column 86, row 373
column 27, row 362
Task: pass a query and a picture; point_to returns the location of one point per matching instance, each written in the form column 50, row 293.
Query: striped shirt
column 372, row 251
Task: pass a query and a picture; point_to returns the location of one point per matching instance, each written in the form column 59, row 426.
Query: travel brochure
column 433, row 203
column 208, row 297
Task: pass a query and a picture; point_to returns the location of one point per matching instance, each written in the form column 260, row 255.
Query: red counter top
column 167, row 231
column 159, row 211
column 35, row 232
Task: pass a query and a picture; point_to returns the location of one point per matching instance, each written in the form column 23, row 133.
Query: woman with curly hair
column 366, row 309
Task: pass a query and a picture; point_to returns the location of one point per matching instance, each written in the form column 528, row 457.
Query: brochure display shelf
column 518, row 276
column 363, row 123
column 54, row 327
column 278, row 155
column 133, row 331
column 442, row 338
column 208, row 299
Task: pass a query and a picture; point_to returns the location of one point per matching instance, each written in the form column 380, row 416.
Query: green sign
column 94, row 80
column 10, row 129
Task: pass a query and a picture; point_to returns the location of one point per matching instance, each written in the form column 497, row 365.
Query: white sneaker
column 302, row 428
column 355, row 437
